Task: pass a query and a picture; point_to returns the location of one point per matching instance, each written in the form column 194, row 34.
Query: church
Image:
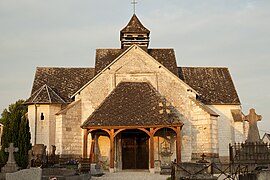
column 137, row 108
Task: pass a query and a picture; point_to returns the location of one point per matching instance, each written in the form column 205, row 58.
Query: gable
column 135, row 65
column 144, row 67
column 166, row 57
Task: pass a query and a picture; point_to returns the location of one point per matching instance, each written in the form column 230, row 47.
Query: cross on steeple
column 134, row 2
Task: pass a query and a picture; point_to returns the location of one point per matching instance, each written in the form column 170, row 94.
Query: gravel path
column 124, row 175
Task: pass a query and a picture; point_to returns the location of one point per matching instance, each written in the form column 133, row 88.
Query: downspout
column 35, row 141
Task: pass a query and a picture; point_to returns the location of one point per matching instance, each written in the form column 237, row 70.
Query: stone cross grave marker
column 253, row 132
column 11, row 149
column 11, row 165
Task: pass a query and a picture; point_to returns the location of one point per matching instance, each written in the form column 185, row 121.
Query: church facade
column 136, row 109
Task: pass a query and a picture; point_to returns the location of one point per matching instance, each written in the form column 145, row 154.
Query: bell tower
column 134, row 33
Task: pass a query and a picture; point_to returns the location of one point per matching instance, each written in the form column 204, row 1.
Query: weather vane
column 134, row 2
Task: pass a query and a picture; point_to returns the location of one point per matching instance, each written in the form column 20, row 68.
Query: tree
column 16, row 130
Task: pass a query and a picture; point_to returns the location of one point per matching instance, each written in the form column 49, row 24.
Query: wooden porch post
column 178, row 145
column 92, row 152
column 85, row 139
column 152, row 158
column 111, row 150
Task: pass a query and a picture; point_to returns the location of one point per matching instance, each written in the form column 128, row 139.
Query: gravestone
column 31, row 158
column 96, row 170
column 39, row 151
column 253, row 132
column 25, row 174
column 11, row 165
column 166, row 162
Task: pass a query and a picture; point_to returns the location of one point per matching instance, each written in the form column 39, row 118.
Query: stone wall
column 201, row 132
column 263, row 175
column 229, row 131
column 68, row 131
column 45, row 128
column 138, row 66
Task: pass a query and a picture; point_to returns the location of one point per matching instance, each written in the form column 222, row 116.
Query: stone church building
column 136, row 109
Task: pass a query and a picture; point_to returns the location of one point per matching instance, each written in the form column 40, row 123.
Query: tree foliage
column 16, row 130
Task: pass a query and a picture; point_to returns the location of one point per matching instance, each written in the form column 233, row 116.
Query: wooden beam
column 118, row 131
column 152, row 158
column 144, row 130
column 178, row 145
column 133, row 127
column 85, row 139
column 112, row 148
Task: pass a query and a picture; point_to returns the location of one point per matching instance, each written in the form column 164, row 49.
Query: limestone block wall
column 59, row 134
column 204, row 133
column 246, row 128
column 137, row 66
column 93, row 95
column 68, row 131
column 229, row 131
column 239, row 131
column 45, row 128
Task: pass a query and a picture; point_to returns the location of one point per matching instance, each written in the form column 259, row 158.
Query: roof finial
column 134, row 2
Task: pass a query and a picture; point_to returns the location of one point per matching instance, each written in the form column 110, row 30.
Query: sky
column 65, row 33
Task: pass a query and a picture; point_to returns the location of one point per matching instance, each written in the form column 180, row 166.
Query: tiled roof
column 164, row 56
column 214, row 85
column 56, row 85
column 105, row 56
column 135, row 26
column 63, row 82
column 69, row 106
column 134, row 104
column 45, row 95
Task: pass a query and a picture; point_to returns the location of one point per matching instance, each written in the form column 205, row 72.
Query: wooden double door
column 135, row 150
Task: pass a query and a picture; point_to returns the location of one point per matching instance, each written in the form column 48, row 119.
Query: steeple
column 134, row 33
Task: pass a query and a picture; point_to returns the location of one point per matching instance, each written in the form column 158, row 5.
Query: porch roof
column 134, row 104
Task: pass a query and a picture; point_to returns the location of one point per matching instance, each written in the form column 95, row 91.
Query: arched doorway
column 135, row 149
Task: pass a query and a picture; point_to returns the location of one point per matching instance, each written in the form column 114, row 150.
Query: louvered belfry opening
column 134, row 33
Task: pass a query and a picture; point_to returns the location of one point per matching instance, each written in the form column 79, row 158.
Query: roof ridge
column 43, row 67
column 48, row 90
column 167, row 48
column 50, row 100
column 38, row 92
column 203, row 67
column 55, row 94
